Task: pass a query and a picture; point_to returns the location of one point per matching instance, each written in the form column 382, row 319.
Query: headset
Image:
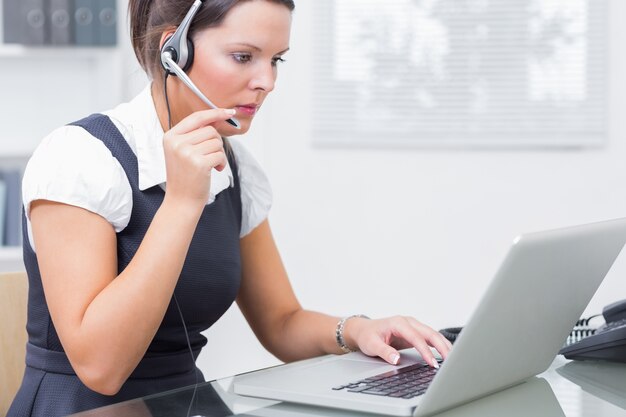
column 177, row 57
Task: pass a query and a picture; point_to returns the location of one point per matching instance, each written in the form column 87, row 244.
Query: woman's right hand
column 193, row 147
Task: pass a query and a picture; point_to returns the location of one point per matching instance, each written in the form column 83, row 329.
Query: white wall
column 408, row 231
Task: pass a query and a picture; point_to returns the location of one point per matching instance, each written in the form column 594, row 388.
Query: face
column 236, row 64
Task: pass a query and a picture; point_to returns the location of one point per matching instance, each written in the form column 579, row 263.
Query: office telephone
column 588, row 341
column 607, row 341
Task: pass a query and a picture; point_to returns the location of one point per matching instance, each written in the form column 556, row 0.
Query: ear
column 165, row 35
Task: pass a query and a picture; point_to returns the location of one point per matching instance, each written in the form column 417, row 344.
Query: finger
column 432, row 337
column 208, row 147
column 447, row 342
column 202, row 118
column 386, row 352
column 202, row 134
column 405, row 330
column 215, row 160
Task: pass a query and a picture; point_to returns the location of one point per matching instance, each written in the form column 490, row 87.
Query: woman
column 143, row 225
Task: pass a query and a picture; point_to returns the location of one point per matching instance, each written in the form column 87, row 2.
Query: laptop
column 533, row 397
column 541, row 288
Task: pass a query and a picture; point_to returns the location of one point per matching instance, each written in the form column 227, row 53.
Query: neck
column 158, row 96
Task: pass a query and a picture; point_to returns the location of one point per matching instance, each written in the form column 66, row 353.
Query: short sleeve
column 256, row 192
column 71, row 166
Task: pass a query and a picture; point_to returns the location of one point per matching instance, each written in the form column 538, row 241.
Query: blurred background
column 407, row 142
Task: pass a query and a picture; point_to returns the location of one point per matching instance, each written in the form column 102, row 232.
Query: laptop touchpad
column 341, row 369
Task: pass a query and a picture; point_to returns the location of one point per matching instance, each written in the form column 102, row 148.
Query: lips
column 247, row 109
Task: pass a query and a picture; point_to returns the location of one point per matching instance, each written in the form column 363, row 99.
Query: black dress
column 207, row 286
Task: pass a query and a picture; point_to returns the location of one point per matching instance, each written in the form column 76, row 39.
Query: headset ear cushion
column 189, row 55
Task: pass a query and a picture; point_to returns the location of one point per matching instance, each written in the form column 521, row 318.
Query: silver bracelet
column 339, row 332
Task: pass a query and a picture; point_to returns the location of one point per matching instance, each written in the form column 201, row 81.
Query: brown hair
column 150, row 18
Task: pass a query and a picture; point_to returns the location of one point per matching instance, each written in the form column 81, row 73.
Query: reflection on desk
column 185, row 402
column 582, row 389
column 605, row 380
column 532, row 398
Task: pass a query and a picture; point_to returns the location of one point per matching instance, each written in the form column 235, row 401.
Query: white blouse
column 71, row 166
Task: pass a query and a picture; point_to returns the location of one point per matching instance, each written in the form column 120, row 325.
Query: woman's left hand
column 383, row 337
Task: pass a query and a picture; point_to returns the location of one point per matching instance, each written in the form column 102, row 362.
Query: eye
column 276, row 60
column 242, row 58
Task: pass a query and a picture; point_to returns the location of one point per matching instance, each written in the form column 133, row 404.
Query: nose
column 264, row 78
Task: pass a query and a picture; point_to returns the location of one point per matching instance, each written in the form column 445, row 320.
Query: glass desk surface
column 567, row 388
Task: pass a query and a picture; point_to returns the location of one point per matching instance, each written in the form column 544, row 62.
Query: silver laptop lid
column 541, row 289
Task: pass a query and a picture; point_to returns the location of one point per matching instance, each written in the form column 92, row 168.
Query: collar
column 141, row 127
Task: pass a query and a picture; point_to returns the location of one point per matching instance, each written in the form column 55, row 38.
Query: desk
column 566, row 389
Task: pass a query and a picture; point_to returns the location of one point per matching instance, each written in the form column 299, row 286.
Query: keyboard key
column 407, row 382
column 359, row 389
column 374, row 392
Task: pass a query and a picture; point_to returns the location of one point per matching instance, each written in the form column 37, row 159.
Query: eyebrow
column 256, row 48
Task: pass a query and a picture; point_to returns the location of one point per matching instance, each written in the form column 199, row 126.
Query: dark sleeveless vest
column 207, row 286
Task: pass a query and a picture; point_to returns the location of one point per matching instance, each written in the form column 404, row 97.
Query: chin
column 226, row 129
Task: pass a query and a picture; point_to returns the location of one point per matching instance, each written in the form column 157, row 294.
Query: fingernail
column 395, row 358
column 435, row 364
column 230, row 111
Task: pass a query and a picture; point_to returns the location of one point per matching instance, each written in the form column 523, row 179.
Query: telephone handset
column 588, row 342
column 606, row 342
column 615, row 312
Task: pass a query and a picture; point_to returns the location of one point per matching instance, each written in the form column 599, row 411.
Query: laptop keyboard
column 408, row 382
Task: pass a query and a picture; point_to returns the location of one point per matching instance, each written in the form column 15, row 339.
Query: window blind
column 503, row 73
